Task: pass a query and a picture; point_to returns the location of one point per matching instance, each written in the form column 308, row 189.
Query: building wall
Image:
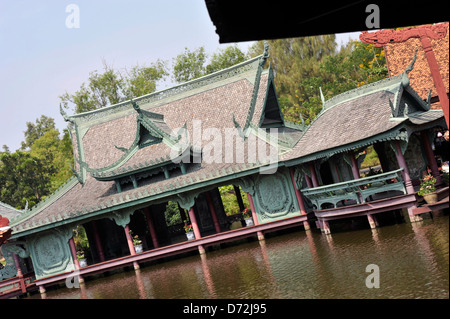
column 274, row 196
column 50, row 252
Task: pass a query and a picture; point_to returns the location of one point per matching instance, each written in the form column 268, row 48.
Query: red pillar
column 402, row 164
column 197, row 234
column 308, row 181
column 435, row 73
column 355, row 169
column 212, row 210
column 19, row 273
column 98, row 241
column 254, row 215
column 430, row 157
column 130, row 245
column 314, row 179
column 194, row 223
column 151, row 227
column 73, row 250
column 297, row 193
column 129, row 240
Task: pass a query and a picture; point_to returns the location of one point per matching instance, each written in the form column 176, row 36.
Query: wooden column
column 19, row 273
column 355, row 172
column 314, row 179
column 372, row 220
column 194, row 224
column 98, row 241
column 151, row 227
column 297, row 193
column 435, row 72
column 130, row 245
column 213, row 212
column 308, row 181
column 326, row 227
column 73, row 250
column 254, row 215
column 406, row 179
column 402, row 164
column 430, row 157
column 355, row 169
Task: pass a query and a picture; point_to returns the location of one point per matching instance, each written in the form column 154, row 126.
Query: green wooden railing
column 358, row 189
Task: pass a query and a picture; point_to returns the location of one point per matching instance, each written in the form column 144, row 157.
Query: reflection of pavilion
column 129, row 164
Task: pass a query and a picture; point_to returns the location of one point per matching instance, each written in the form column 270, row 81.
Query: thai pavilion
column 132, row 158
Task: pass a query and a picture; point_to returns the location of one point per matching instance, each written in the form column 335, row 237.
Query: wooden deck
column 166, row 251
column 442, row 203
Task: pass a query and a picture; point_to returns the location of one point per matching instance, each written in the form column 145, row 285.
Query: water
column 413, row 261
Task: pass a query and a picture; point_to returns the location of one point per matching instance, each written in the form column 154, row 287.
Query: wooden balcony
column 16, row 286
column 357, row 191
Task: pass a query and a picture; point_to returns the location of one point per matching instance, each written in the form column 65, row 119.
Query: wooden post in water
column 254, row 215
column 130, row 245
column 197, row 234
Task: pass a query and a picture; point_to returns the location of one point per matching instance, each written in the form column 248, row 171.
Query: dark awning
column 249, row 20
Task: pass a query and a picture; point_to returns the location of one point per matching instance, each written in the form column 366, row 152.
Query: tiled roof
column 215, row 100
column 399, row 56
column 8, row 211
column 362, row 115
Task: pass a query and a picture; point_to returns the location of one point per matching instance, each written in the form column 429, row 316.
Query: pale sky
column 41, row 58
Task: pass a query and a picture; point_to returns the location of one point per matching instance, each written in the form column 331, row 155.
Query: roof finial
column 64, row 114
column 411, row 66
column 322, row 97
column 266, row 49
column 265, row 55
column 136, row 107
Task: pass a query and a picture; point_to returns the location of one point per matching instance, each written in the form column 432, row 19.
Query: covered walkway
column 179, row 248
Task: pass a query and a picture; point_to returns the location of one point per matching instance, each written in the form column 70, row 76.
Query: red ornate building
column 430, row 76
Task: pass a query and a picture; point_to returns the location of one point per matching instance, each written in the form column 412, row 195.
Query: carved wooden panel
column 275, row 196
column 50, row 252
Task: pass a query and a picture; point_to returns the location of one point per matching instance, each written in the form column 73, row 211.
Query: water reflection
column 413, row 261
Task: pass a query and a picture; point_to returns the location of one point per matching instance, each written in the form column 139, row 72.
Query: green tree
column 190, row 65
column 56, row 155
column 225, row 58
column 113, row 86
column 296, row 65
column 23, row 178
column 303, row 65
column 35, row 131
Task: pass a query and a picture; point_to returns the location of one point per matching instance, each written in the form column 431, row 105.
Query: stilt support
column 372, row 221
